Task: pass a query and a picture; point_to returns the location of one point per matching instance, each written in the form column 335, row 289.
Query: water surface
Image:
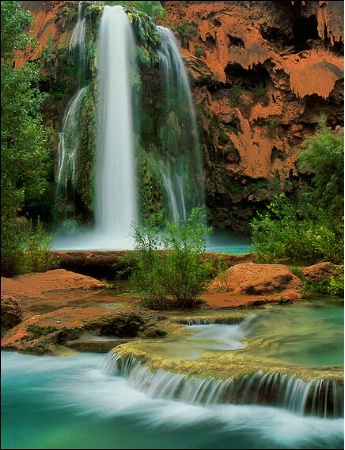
column 72, row 402
column 69, row 402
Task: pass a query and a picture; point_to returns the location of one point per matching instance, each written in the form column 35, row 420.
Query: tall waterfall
column 116, row 196
column 178, row 166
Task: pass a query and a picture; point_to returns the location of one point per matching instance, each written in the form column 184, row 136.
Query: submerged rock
column 53, row 331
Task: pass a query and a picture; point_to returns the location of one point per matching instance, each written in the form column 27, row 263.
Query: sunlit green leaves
column 282, row 234
column 24, row 156
column 13, row 20
column 323, row 160
column 168, row 259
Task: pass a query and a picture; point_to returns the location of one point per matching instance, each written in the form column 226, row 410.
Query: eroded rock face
column 262, row 73
column 56, row 332
column 12, row 313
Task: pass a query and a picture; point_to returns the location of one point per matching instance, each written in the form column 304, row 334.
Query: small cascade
column 175, row 192
column 68, row 145
column 70, row 132
column 116, row 196
column 180, row 166
column 322, row 398
column 77, row 45
column 216, row 337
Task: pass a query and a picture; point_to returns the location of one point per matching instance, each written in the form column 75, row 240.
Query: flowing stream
column 77, row 402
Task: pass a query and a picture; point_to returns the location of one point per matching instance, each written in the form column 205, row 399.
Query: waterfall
column 322, row 398
column 178, row 165
column 68, row 144
column 116, row 196
column 69, row 135
column 181, row 165
column 77, row 45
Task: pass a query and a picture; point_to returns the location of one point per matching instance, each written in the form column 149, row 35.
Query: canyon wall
column 262, row 73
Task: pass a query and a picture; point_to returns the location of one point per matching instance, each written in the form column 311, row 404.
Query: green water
column 72, row 402
column 228, row 242
column 307, row 333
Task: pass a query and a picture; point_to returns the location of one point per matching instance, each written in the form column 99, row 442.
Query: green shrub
column 11, row 240
column 223, row 138
column 235, row 94
column 168, row 261
column 331, row 286
column 283, row 234
column 272, row 126
column 322, row 160
column 36, row 251
column 187, row 31
column 198, row 52
column 259, row 91
column 335, row 285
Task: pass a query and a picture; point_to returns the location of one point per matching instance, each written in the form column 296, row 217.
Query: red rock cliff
column 263, row 72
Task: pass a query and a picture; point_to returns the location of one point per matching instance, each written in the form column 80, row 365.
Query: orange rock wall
column 294, row 51
column 45, row 28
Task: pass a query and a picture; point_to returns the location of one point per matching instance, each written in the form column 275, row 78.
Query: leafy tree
column 152, row 9
column 285, row 234
column 323, row 160
column 168, row 261
column 309, row 228
column 24, row 157
column 37, row 255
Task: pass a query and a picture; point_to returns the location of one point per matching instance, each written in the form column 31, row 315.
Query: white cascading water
column 68, row 144
column 69, row 135
column 116, row 196
column 181, row 169
column 322, row 398
column 115, row 183
column 116, row 202
column 77, row 45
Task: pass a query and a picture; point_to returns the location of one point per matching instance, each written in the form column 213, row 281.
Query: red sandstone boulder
column 12, row 313
column 32, row 285
column 251, row 278
column 56, row 332
column 320, row 272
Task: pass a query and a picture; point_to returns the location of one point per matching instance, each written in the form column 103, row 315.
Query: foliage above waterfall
column 146, row 34
column 145, row 29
